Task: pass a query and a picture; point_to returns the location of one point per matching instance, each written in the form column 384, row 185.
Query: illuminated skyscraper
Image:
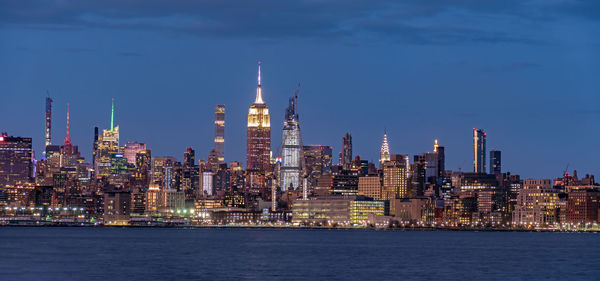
column 395, row 177
column 220, row 132
column 143, row 162
column 291, row 151
column 346, row 159
column 48, row 127
column 384, row 154
column 131, row 149
column 162, row 172
column 16, row 164
column 258, row 135
column 479, row 150
column 108, row 145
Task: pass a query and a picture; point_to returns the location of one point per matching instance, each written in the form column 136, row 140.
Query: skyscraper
column 395, row 177
column 143, row 162
column 479, row 150
column 131, row 149
column 384, row 152
column 292, row 157
column 258, row 134
column 495, row 162
column 220, row 132
column 317, row 161
column 48, row 127
column 347, row 151
column 419, row 173
column 16, row 164
column 108, row 145
column 189, row 173
column 162, row 171
column 440, row 153
column 95, row 149
column 69, row 153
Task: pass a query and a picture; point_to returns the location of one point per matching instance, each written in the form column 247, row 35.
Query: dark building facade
column 495, row 162
column 346, row 158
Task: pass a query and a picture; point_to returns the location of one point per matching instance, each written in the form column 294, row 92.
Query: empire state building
column 258, row 134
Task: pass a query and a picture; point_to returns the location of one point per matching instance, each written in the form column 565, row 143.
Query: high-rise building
column 95, row 149
column 495, row 162
column 395, row 177
column 143, row 162
column 291, row 150
column 162, row 171
column 131, row 149
column 189, row 173
column 419, row 174
column 583, row 206
column 69, row 153
column 537, row 203
column 370, row 186
column 441, row 162
column 346, row 152
column 384, row 152
column 317, row 161
column 207, row 183
column 220, row 132
column 48, row 124
column 479, row 151
column 108, row 146
column 212, row 163
column 258, row 136
column 16, row 165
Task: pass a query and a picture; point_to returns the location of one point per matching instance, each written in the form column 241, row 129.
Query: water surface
column 53, row 253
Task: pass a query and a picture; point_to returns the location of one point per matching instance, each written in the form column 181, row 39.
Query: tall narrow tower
column 68, row 135
column 258, row 134
column 347, row 151
column 48, row 127
column 112, row 114
column 384, row 152
column 220, row 132
column 291, row 150
column 479, row 150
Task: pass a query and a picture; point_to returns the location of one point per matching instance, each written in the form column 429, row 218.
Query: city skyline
column 362, row 138
column 521, row 87
column 274, row 146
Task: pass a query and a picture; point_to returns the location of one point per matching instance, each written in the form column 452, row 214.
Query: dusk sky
column 528, row 72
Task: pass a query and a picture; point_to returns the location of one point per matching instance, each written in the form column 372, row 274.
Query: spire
column 435, row 146
column 259, row 99
column 68, row 137
column 112, row 114
column 385, row 150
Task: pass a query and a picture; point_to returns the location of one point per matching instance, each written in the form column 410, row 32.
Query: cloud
column 348, row 21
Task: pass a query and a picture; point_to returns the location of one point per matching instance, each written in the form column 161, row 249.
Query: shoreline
column 291, row 227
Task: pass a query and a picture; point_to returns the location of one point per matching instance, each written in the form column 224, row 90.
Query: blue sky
column 525, row 71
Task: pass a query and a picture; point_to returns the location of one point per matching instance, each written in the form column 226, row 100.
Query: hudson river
column 53, row 253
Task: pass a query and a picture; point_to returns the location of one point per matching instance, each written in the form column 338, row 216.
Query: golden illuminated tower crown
column 258, row 134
